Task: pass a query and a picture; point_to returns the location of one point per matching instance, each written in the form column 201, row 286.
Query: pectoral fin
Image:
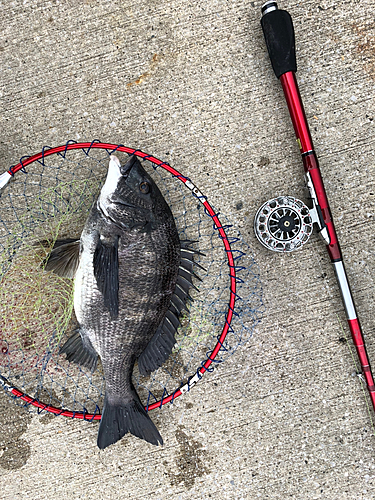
column 106, row 273
column 64, row 258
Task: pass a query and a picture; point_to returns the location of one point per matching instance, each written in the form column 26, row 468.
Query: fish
column 132, row 276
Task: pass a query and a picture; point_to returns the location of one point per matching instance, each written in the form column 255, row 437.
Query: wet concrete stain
column 46, row 418
column 48, row 398
column 365, row 46
column 264, row 161
column 174, row 366
column 14, row 450
column 191, row 461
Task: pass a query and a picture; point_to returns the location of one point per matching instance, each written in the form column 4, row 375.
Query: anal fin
column 157, row 350
column 161, row 345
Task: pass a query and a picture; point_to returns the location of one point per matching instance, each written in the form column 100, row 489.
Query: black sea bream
column 128, row 292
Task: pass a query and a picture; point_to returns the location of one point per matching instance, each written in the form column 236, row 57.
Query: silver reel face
column 283, row 224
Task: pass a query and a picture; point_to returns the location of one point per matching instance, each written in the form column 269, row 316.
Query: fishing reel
column 285, row 223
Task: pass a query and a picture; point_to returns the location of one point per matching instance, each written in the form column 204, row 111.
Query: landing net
column 49, row 197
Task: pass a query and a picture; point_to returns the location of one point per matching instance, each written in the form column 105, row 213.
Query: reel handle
column 278, row 32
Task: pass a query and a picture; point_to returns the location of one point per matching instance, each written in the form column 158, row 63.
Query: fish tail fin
column 119, row 419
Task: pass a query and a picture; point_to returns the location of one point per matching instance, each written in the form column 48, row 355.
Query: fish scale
column 140, row 314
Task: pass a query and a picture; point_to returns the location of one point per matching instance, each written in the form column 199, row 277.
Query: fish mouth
column 122, row 204
column 125, row 169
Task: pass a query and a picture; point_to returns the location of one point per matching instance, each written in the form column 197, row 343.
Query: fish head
column 130, row 196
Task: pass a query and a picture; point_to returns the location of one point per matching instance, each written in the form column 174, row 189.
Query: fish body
column 125, row 275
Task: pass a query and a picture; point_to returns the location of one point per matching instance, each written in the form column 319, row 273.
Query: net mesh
column 52, row 200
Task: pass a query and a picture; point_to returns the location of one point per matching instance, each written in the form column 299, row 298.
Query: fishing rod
column 284, row 223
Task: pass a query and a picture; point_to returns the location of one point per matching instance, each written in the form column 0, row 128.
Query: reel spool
column 283, row 224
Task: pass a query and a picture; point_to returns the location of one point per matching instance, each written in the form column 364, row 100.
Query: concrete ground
column 191, row 83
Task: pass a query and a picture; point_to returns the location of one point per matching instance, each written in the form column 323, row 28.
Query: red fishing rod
column 284, row 224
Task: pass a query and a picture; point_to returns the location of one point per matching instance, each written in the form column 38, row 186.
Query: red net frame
column 205, row 366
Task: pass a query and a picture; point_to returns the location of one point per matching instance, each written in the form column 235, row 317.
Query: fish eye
column 144, row 187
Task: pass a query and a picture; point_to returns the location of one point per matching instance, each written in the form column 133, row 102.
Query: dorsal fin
column 161, row 345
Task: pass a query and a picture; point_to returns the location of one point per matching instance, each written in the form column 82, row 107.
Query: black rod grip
column 278, row 31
